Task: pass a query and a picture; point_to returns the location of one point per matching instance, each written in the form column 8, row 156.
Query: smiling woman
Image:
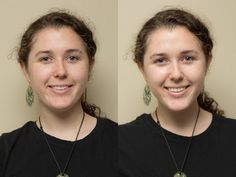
column 186, row 135
column 57, row 54
column 58, row 68
column 174, row 67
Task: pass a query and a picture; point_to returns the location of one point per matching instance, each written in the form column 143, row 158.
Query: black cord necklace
column 180, row 171
column 62, row 173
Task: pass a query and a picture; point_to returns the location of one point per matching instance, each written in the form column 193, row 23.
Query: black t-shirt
column 24, row 153
column 144, row 153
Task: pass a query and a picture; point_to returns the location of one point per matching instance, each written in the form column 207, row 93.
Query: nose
column 60, row 69
column 176, row 72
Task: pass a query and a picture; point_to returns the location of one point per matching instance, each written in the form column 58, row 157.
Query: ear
column 209, row 60
column 91, row 64
column 141, row 69
column 140, row 66
column 25, row 71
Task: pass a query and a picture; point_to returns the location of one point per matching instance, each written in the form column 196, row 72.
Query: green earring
column 29, row 96
column 147, row 95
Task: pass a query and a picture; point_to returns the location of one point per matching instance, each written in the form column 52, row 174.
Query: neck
column 179, row 122
column 63, row 124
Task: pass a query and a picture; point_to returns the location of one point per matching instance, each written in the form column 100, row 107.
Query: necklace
column 62, row 173
column 180, row 171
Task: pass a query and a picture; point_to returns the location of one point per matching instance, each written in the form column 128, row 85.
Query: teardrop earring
column 147, row 96
column 29, row 96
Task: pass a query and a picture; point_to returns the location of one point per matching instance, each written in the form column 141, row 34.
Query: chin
column 61, row 106
column 177, row 109
column 177, row 106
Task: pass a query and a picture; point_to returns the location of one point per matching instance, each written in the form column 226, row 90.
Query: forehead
column 51, row 37
column 175, row 38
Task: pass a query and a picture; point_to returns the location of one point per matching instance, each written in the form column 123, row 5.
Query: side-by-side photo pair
column 117, row 89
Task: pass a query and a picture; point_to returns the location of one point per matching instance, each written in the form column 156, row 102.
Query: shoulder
column 225, row 120
column 139, row 130
column 108, row 125
column 10, row 137
column 108, row 122
column 225, row 130
column 141, row 123
column 134, row 142
column 226, row 125
column 8, row 140
column 107, row 128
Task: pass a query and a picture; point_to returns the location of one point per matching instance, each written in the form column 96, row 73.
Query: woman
column 187, row 134
column 57, row 54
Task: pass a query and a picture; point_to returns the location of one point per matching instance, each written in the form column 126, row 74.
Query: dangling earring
column 84, row 96
column 147, row 95
column 29, row 96
column 203, row 95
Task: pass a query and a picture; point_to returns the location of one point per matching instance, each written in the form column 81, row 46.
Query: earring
column 84, row 96
column 29, row 96
column 203, row 96
column 147, row 95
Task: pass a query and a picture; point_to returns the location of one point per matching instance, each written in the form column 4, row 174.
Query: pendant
column 180, row 174
column 63, row 175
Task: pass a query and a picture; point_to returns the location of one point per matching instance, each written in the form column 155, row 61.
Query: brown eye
column 45, row 59
column 160, row 61
column 187, row 59
column 72, row 59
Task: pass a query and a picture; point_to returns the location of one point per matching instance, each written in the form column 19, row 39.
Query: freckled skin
column 174, row 67
column 58, row 68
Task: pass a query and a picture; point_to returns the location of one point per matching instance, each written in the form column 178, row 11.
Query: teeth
column 58, row 87
column 176, row 90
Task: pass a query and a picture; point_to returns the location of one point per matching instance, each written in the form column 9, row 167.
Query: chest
column 207, row 156
column 88, row 159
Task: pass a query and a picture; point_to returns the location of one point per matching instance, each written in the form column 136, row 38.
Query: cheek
column 80, row 74
column 199, row 72
column 156, row 75
column 39, row 77
column 39, row 73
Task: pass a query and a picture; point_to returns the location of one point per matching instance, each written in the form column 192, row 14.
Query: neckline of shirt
column 175, row 136
column 55, row 140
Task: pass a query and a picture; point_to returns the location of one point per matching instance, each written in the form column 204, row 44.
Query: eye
column 45, row 59
column 187, row 59
column 161, row 61
column 72, row 59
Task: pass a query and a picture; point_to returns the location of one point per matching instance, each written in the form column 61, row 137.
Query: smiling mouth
column 176, row 89
column 60, row 87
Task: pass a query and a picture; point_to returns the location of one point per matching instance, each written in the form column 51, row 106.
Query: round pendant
column 180, row 174
column 63, row 175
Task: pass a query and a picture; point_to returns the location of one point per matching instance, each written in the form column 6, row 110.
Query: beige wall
column 116, row 84
column 220, row 16
column 16, row 15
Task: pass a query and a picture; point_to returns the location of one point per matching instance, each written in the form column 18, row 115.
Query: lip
column 60, row 88
column 177, row 91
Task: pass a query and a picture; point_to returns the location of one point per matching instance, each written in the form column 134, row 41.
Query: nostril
column 60, row 75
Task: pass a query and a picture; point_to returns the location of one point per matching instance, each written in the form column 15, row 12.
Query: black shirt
column 144, row 153
column 24, row 153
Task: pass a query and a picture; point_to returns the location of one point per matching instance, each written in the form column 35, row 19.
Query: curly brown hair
column 59, row 19
column 171, row 18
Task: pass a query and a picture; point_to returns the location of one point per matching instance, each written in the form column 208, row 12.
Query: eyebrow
column 49, row 51
column 165, row 54
column 189, row 51
column 157, row 55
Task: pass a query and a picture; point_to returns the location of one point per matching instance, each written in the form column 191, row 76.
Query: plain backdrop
column 220, row 83
column 15, row 16
column 116, row 84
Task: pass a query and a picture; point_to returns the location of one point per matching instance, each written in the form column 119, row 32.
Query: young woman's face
column 58, row 68
column 174, row 67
